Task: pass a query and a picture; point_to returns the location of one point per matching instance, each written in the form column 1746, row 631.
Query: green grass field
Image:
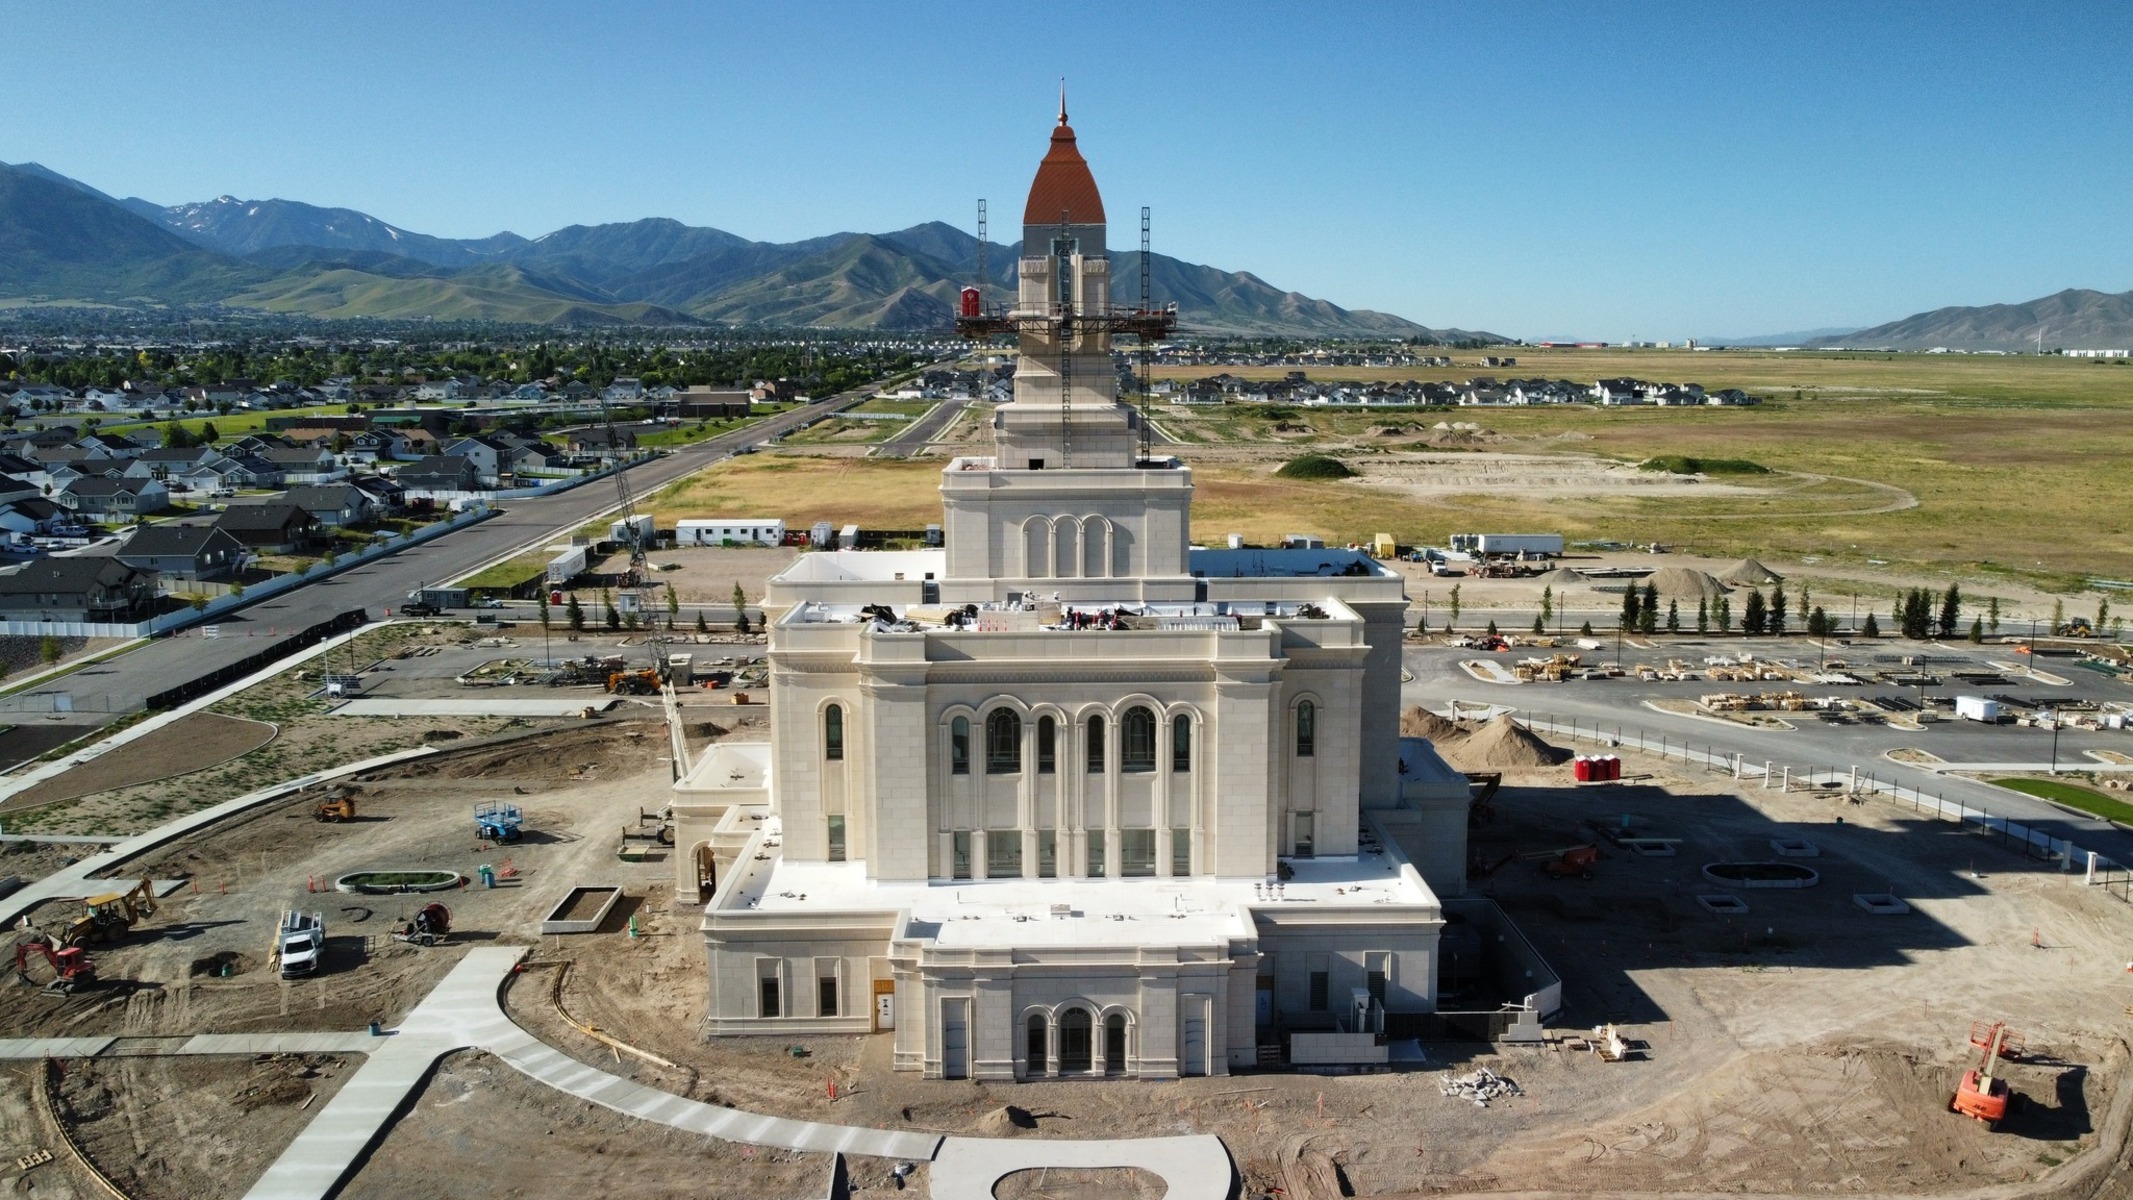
column 2087, row 800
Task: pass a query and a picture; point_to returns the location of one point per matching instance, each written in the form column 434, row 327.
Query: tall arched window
column 1115, row 1044
column 1181, row 743
column 1306, row 729
column 1047, row 745
column 1003, row 742
column 1096, row 745
column 1039, row 1032
column 833, row 732
column 1136, row 740
column 959, row 746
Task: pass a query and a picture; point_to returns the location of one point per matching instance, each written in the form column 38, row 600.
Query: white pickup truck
column 300, row 943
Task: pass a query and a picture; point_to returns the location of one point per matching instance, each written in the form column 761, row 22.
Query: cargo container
column 566, row 566
column 1550, row 544
column 1978, row 708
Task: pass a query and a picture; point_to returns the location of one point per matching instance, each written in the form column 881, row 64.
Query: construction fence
column 2098, row 870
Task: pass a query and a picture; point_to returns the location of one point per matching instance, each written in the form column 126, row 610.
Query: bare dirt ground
column 480, row 1128
column 28, row 1134
column 1804, row 1047
column 185, row 1128
column 192, row 743
column 578, row 786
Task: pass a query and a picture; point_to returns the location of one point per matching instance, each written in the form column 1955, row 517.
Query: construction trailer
column 1539, row 544
column 566, row 566
column 1978, row 708
column 743, row 531
column 619, row 532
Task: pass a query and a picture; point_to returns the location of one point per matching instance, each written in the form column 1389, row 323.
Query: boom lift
column 1982, row 1095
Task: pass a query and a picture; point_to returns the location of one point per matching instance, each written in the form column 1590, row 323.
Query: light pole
column 2056, row 722
column 2032, row 647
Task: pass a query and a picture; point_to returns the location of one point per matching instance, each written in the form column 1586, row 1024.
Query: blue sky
column 1603, row 170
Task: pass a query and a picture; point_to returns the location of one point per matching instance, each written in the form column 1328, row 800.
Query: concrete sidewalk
column 1192, row 1168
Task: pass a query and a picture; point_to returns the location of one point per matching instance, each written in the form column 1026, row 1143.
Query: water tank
column 971, row 301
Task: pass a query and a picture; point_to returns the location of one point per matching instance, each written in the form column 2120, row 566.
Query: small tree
column 629, row 621
column 1540, row 625
column 1492, row 628
column 544, row 612
column 1648, row 614
column 199, row 602
column 2103, row 613
column 574, row 613
column 1871, row 628
column 1992, row 615
column 1977, row 630
column 1585, row 630
column 702, row 626
column 1455, row 608
column 673, row 607
column 740, row 601
column 2058, row 615
column 1775, row 619
column 1703, row 616
column 1629, row 607
column 1752, row 621
column 1673, row 616
column 611, row 618
column 48, row 650
column 1818, row 623
column 740, row 624
column 1951, row 611
column 1547, row 605
column 1725, row 614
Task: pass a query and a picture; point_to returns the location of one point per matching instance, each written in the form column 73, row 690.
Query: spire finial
column 1062, row 100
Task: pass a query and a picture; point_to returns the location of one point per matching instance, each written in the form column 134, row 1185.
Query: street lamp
column 2056, row 722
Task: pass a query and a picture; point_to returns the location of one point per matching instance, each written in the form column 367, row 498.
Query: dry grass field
column 2014, row 465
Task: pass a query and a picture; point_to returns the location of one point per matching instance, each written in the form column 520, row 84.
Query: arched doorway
column 1074, row 1039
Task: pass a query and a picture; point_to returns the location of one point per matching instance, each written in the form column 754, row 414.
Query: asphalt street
column 1620, row 705
column 919, row 433
column 116, row 686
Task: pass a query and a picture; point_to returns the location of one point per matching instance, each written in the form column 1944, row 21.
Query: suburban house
column 441, row 473
column 183, row 551
column 169, row 462
column 218, row 474
column 386, row 495
column 76, row 588
column 305, row 464
column 105, row 499
column 703, row 403
column 335, row 505
column 488, row 460
column 601, row 440
column 32, row 517
column 278, row 527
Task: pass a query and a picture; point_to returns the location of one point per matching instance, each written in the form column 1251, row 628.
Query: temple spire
column 1062, row 100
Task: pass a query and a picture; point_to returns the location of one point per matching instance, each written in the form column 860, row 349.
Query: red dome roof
column 1064, row 185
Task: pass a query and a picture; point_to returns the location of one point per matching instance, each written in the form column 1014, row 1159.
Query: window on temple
column 1136, row 852
column 833, row 732
column 1136, row 740
column 1096, row 854
column 1003, row 742
column 959, row 746
column 1306, row 729
column 1096, row 745
column 1047, row 745
column 1181, row 743
column 836, row 838
column 1003, row 854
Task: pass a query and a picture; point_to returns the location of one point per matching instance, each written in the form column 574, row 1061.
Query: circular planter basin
column 1762, row 874
column 386, row 883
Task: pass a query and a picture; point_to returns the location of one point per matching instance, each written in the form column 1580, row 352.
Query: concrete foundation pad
column 1881, row 904
column 1724, row 906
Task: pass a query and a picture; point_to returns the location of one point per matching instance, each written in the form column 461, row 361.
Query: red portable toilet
column 1614, row 766
column 971, row 302
column 1581, row 769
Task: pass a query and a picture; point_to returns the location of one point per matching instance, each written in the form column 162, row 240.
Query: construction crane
column 637, row 577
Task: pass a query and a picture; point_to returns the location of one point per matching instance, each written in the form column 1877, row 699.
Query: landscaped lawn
column 2073, row 796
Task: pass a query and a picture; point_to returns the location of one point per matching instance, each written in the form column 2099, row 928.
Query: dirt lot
column 1806, row 1046
column 192, row 743
column 577, row 787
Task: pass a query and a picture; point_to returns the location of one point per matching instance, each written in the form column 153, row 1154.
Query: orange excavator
column 1565, row 863
column 71, row 966
column 1982, row 1095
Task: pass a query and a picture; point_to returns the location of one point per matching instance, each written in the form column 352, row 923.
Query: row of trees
column 614, row 619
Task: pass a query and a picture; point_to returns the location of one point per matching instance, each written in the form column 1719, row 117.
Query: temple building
column 1071, row 796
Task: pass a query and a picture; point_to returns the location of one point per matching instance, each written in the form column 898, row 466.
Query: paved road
column 1619, row 704
column 919, row 433
column 117, row 686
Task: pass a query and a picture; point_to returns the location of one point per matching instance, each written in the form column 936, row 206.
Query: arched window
column 1047, row 745
column 1181, row 743
column 833, row 732
column 1039, row 1030
column 1003, row 742
column 1096, row 745
column 1074, row 1031
column 959, row 746
column 1306, row 729
column 1136, row 740
column 1115, row 1044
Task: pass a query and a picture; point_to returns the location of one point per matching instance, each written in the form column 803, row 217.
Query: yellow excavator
column 111, row 916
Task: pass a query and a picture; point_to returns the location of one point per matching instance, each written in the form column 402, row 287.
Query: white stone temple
column 1071, row 796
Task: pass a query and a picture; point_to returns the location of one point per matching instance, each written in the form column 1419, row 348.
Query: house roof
column 64, row 575
column 167, row 541
column 277, row 515
column 104, row 485
column 1064, row 189
column 301, row 455
column 331, row 495
column 36, row 508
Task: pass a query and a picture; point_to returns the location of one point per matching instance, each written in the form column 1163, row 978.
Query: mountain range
column 2075, row 319
column 62, row 240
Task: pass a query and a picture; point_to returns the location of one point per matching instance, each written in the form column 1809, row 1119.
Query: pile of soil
column 1422, row 723
column 1750, row 573
column 1686, row 583
column 1563, row 577
column 1504, row 743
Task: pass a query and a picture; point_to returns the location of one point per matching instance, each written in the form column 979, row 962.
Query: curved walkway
column 465, row 1012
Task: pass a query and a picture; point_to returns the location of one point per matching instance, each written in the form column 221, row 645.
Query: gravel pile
column 1479, row 1086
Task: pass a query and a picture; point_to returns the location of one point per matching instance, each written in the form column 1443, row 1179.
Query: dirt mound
column 1563, row 577
column 1686, row 583
column 1422, row 723
column 1006, row 1121
column 1749, row 573
column 1504, row 743
column 1389, row 431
